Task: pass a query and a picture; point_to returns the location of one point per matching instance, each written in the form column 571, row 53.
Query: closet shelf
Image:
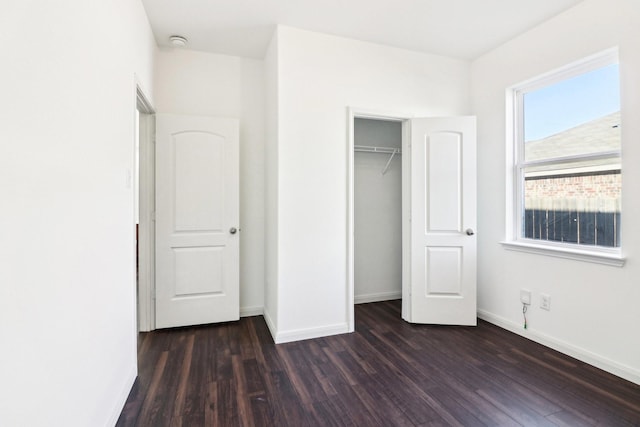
column 384, row 150
column 370, row 149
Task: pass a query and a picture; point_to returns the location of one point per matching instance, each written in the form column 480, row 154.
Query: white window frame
column 516, row 166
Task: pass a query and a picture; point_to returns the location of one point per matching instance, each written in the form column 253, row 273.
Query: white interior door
column 443, row 220
column 197, row 214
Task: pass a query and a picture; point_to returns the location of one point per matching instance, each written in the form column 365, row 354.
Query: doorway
column 438, row 220
column 377, row 186
column 377, row 191
column 144, row 210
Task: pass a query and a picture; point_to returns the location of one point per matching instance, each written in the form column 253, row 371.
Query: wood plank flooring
column 387, row 373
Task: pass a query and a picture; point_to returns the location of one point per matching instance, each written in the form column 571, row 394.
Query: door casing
column 146, row 200
column 404, row 118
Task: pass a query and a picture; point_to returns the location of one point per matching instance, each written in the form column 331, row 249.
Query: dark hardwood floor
column 387, row 373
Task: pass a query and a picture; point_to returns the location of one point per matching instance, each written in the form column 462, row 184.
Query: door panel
column 198, row 271
column 443, row 207
column 197, row 279
column 443, row 176
column 198, row 158
column 442, row 271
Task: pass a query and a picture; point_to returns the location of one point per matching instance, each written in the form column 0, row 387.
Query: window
column 566, row 170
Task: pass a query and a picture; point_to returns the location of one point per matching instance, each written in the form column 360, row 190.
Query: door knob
column 233, row 230
column 470, row 232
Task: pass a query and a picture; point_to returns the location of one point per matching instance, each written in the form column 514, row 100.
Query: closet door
column 443, row 220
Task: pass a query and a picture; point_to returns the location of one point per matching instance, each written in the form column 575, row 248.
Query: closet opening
column 411, row 217
column 376, row 209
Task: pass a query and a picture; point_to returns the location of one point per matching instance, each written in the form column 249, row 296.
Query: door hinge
column 153, row 216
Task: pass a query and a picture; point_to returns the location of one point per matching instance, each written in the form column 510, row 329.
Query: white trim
column 351, row 321
column 511, row 156
column 381, row 296
column 612, row 258
column 606, row 364
column 553, row 161
column 142, row 100
column 392, row 116
column 310, row 333
column 251, row 311
column 146, row 232
column 515, row 166
column 406, row 220
column 364, row 113
column 270, row 325
column 598, row 60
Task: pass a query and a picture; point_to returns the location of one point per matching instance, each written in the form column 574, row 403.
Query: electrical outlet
column 545, row 302
column 525, row 296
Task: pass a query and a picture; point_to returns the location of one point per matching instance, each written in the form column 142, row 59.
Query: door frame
column 363, row 113
column 146, row 205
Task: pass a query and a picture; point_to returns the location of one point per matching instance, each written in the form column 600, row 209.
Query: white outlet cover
column 545, row 302
column 525, row 296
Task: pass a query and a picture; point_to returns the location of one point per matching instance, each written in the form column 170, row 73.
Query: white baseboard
column 122, row 397
column 615, row 368
column 251, row 311
column 302, row 334
column 269, row 321
column 309, row 333
column 381, row 296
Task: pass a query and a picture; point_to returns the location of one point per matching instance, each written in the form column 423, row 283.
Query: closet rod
column 370, row 149
column 384, row 150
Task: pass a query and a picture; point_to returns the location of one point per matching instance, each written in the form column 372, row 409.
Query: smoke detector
column 178, row 41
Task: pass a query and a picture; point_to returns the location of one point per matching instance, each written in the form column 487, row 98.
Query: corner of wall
column 594, row 313
column 271, row 64
column 281, row 337
column 121, row 400
column 273, row 329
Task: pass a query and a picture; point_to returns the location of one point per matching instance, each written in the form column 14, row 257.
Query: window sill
column 612, row 259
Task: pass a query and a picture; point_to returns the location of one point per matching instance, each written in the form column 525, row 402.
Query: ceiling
column 462, row 29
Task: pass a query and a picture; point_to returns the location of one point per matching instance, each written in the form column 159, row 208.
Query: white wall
column 377, row 213
column 319, row 76
column 67, row 264
column 594, row 309
column 271, row 70
column 197, row 83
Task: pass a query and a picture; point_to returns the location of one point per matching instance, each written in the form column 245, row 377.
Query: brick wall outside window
column 589, row 193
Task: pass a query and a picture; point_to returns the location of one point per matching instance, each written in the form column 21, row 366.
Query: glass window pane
column 576, row 116
column 582, row 208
